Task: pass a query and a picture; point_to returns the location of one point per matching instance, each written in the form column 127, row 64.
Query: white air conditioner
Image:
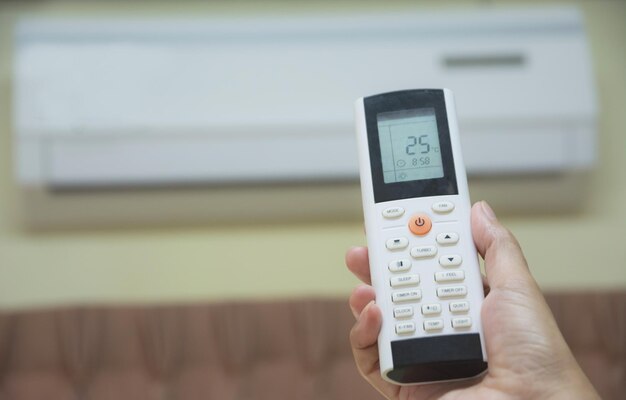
column 106, row 103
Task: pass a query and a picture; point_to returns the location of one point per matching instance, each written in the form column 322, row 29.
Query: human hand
column 528, row 357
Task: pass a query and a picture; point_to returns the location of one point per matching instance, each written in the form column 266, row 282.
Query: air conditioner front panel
column 148, row 102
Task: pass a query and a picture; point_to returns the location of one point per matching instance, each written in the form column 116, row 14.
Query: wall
column 581, row 250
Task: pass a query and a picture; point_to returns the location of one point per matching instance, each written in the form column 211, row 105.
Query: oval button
column 448, row 238
column 405, row 327
column 423, row 251
column 397, row 243
column 403, row 312
column 400, row 265
column 433, row 324
column 443, row 207
column 451, row 291
column 448, row 276
column 420, row 224
column 450, row 260
column 404, row 280
column 463, row 322
column 393, row 212
column 430, row 309
column 459, row 306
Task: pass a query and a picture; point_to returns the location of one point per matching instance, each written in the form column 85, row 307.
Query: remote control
column 423, row 262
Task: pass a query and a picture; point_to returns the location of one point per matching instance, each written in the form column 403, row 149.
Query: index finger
column 357, row 261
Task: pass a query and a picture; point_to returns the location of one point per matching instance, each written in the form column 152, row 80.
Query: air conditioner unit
column 107, row 103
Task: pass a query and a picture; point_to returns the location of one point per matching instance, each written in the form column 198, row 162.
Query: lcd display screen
column 409, row 145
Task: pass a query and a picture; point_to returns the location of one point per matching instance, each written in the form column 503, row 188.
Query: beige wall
column 585, row 249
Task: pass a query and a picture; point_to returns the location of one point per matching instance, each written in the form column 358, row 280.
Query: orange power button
column 420, row 224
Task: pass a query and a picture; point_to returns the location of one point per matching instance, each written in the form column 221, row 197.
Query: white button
column 404, row 280
column 393, row 212
column 459, row 306
column 463, row 322
column 448, row 238
column 433, row 324
column 405, row 327
column 403, row 312
column 397, row 243
column 450, row 260
column 400, row 265
column 423, row 251
column 442, row 207
column 406, row 296
column 447, row 276
column 451, row 291
column 430, row 309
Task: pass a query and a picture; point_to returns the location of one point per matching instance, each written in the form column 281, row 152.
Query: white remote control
column 423, row 262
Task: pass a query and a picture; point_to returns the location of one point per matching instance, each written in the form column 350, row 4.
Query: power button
column 420, row 224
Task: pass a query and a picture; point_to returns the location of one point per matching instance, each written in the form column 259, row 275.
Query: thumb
column 504, row 260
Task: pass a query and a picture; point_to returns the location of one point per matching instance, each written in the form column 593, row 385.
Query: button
column 450, row 260
column 462, row 322
column 408, row 295
column 403, row 312
column 451, row 291
column 448, row 238
column 430, row 309
column 404, row 280
column 423, row 251
column 393, row 212
column 448, row 276
column 433, row 324
column 420, row 224
column 459, row 306
column 405, row 327
column 442, row 207
column 397, row 243
column 400, row 265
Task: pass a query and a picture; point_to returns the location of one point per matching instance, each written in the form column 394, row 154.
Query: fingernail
column 367, row 307
column 356, row 316
column 365, row 310
column 488, row 211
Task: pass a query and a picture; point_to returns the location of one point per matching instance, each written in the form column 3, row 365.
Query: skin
column 528, row 357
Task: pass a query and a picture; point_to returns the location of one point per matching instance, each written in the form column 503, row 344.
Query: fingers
column 365, row 332
column 357, row 261
column 361, row 296
column 504, row 260
column 363, row 338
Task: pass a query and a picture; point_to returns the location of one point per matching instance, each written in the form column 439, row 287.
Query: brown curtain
column 294, row 349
